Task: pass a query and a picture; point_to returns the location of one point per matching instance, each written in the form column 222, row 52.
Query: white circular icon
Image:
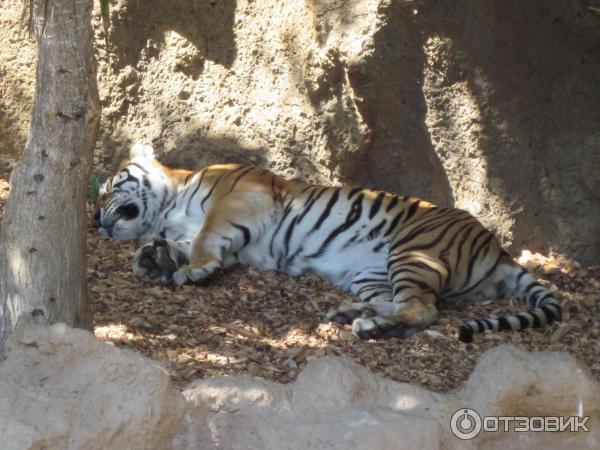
column 465, row 424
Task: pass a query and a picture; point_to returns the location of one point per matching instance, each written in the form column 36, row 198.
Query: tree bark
column 42, row 240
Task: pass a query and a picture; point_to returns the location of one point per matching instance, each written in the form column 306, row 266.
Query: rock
column 509, row 381
column 62, row 388
column 436, row 101
column 337, row 404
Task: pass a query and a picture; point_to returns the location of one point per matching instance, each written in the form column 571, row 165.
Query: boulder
column 489, row 106
column 61, row 388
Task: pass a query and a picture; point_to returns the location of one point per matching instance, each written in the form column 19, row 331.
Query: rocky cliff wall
column 490, row 106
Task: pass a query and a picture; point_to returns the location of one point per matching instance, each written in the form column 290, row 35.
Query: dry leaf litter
column 269, row 325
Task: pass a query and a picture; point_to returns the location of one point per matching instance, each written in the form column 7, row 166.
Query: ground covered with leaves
column 269, row 325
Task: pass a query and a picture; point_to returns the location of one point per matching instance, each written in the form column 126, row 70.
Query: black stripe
column 426, row 224
column 376, row 204
column 426, row 228
column 473, row 259
column 171, row 208
column 396, row 288
column 444, row 253
column 129, row 178
column 421, row 265
column 524, row 272
column 311, row 195
column 394, row 223
column 485, row 277
column 545, row 297
column 412, row 210
column 352, row 217
column 239, row 177
column 288, row 235
column 332, row 201
column 194, row 193
column 489, row 323
column 353, row 192
column 533, row 298
column 524, row 321
column 550, row 314
column 286, row 212
column 504, row 324
column 139, row 167
column 369, row 280
column 480, row 326
column 210, row 192
column 531, row 286
column 245, row 231
column 392, row 203
column 313, row 201
column 371, row 296
column 375, row 231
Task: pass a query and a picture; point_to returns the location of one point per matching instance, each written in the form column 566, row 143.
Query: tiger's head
column 130, row 201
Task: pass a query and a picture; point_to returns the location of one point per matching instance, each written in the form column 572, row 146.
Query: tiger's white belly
column 339, row 264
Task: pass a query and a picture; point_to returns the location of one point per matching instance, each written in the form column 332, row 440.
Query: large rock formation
column 490, row 106
column 61, row 388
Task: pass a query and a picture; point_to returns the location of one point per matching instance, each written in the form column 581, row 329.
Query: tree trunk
column 42, row 240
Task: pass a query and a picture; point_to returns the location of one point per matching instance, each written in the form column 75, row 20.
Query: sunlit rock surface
column 490, row 106
column 62, row 388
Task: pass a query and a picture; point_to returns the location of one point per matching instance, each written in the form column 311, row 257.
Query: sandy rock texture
column 62, row 388
column 489, row 106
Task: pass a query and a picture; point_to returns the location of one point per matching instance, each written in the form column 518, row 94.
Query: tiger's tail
column 544, row 308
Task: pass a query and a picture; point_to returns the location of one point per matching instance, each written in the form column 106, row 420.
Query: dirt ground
column 268, row 324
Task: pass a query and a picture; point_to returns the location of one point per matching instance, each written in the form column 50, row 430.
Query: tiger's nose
column 96, row 219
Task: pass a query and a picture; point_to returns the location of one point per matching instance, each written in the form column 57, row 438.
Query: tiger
column 398, row 255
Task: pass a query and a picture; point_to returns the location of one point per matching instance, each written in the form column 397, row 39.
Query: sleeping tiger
column 398, row 255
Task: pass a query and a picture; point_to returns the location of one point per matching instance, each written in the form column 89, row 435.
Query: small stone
column 253, row 369
column 292, row 364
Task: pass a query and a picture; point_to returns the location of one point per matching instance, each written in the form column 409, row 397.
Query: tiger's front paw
column 157, row 261
column 193, row 273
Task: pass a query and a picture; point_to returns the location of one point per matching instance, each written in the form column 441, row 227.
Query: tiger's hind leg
column 369, row 317
column 416, row 281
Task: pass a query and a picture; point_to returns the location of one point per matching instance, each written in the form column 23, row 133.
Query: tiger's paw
column 157, row 261
column 191, row 273
column 378, row 328
column 346, row 314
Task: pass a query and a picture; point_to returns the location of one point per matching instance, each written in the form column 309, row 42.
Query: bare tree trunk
column 42, row 240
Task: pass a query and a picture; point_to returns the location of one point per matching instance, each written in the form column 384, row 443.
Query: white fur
column 140, row 150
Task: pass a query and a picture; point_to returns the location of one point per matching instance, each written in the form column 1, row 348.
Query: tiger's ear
column 139, row 150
